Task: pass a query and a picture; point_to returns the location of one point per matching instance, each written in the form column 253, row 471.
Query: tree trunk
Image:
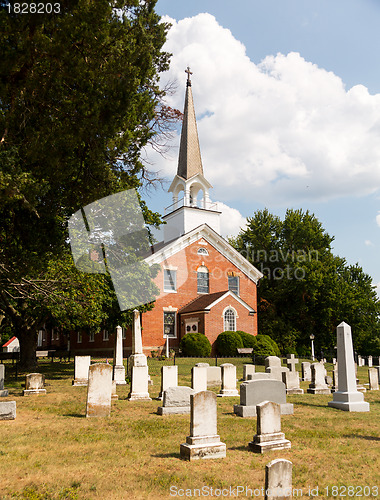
column 28, row 346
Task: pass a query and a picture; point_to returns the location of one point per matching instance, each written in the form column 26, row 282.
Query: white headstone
column 204, row 441
column 369, row 361
column 176, row 400
column 34, row 384
column 169, row 378
column 269, row 435
column 318, row 382
column 292, row 382
column 199, row 378
column 273, row 366
column 347, row 397
column 139, row 384
column 248, row 370
column 291, row 361
column 278, row 480
column 228, row 380
column 118, row 367
column 3, row 392
column 306, row 371
column 214, row 376
column 81, row 366
column 373, row 377
column 99, row 390
column 7, row 410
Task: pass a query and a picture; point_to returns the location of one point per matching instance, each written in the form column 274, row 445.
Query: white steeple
column 189, row 212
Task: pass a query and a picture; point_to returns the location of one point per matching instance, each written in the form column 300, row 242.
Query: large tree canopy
column 306, row 290
column 79, row 99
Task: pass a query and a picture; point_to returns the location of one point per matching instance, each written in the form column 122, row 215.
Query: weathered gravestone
column 278, row 480
column 318, row 383
column 204, row 441
column 347, row 397
column 369, row 361
column 254, row 392
column 139, row 384
column 291, row 361
column 306, row 371
column 199, row 378
column 248, row 370
column 99, row 390
column 269, row 435
column 260, row 376
column 7, row 410
column 169, row 378
column 214, row 376
column 81, row 366
column 137, row 358
column 34, row 384
column 118, row 366
column 3, row 392
column 228, row 380
column 114, row 396
column 273, row 366
column 176, row 400
column 373, row 379
column 292, row 382
column 334, row 387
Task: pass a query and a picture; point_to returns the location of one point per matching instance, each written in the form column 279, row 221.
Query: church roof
column 189, row 160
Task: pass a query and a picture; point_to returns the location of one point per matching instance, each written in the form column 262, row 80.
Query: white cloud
column 378, row 219
column 231, row 220
column 281, row 131
column 368, row 243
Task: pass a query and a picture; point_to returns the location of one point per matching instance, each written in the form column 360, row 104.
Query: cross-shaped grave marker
column 291, row 361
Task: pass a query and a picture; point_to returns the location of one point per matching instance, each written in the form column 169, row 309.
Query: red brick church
column 205, row 285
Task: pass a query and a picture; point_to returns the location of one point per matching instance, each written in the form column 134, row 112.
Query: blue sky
column 287, row 95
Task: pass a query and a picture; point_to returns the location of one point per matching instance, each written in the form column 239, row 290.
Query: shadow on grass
column 315, row 405
column 74, row 415
column 239, row 448
column 167, row 455
column 367, row 438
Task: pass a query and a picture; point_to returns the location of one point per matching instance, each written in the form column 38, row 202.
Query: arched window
column 229, row 320
column 202, row 279
column 202, row 251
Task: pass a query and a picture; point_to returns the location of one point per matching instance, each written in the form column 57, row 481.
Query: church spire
column 189, row 160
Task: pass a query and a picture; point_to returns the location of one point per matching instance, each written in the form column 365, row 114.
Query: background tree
column 79, row 99
column 306, row 289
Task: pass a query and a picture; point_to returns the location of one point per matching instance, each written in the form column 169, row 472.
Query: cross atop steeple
column 188, row 83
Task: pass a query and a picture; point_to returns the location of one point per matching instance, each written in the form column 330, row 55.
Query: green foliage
column 195, row 344
column 265, row 346
column 248, row 339
column 306, row 289
column 79, row 99
column 227, row 342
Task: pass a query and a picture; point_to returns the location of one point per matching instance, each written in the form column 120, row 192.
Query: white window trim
column 236, row 316
column 106, row 336
column 91, row 337
column 79, row 338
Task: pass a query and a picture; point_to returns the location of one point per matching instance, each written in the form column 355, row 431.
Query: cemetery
column 79, row 441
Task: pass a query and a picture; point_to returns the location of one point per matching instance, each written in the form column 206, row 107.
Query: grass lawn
column 51, row 451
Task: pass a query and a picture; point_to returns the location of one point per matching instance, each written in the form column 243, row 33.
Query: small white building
column 13, row 345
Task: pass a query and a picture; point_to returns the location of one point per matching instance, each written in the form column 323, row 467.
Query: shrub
column 265, row 347
column 227, row 343
column 248, row 339
column 196, row 344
